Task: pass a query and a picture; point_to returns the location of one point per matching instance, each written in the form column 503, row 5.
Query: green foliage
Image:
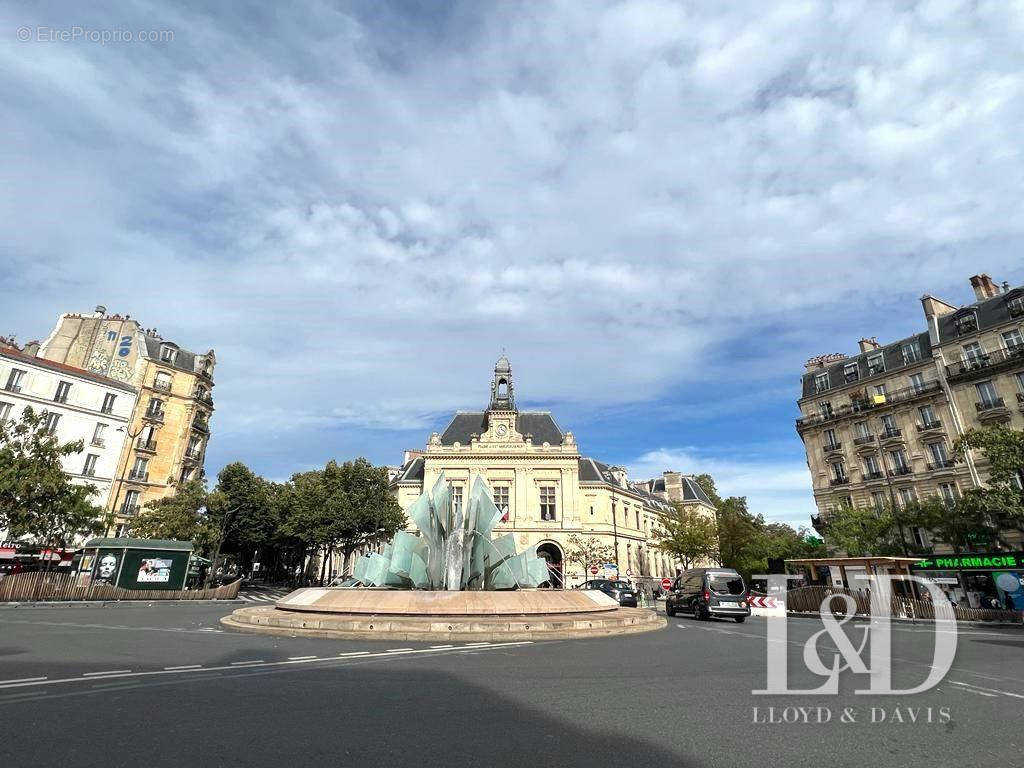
column 250, row 516
column 586, row 551
column 688, row 534
column 183, row 516
column 36, row 497
column 863, row 531
column 1001, row 502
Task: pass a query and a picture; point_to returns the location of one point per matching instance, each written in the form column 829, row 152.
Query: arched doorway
column 552, row 553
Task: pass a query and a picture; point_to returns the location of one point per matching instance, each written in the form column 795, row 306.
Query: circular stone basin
column 395, row 602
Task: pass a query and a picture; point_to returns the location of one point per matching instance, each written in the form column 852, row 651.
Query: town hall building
column 546, row 488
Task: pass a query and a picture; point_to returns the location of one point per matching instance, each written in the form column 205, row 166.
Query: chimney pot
column 100, row 310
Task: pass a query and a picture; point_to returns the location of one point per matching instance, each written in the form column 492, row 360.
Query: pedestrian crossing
column 263, row 595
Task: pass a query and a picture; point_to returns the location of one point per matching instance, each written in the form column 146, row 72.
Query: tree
column 962, row 524
column 182, row 516
column 688, row 534
column 863, row 531
column 36, row 497
column 1001, row 502
column 249, row 519
column 587, row 551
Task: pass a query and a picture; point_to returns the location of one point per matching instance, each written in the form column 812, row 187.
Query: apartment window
column 50, row 422
column 850, row 372
column 1016, row 306
column 906, row 496
column 168, row 353
column 927, row 415
column 131, row 502
column 830, row 438
column 1012, row 339
column 638, row 519
column 919, row 536
column 547, row 502
column 194, row 444
column 917, row 382
column 948, row 492
column 97, row 434
column 871, row 465
column 876, row 364
column 889, row 425
column 911, row 352
column 1020, row 381
column 973, row 353
column 966, row 324
column 501, row 501
column 90, row 465
column 899, row 460
column 14, row 380
column 825, row 409
column 186, row 474
column 821, row 382
column 5, row 411
column 878, row 500
column 456, row 498
column 63, row 389
column 987, row 394
column 140, row 470
column 940, row 457
column 155, row 407
column 108, row 402
column 838, row 470
column 880, row 392
column 162, row 381
column 861, row 428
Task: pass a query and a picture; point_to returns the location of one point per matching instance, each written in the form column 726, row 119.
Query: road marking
column 22, row 680
column 991, row 691
column 243, row 663
column 354, row 655
column 979, row 693
column 184, row 666
column 399, row 650
column 442, row 646
column 300, row 658
column 107, row 672
column 474, row 645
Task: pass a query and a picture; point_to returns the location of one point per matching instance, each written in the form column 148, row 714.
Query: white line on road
column 300, row 658
column 474, row 645
column 442, row 646
column 107, row 672
column 992, row 691
column 353, row 656
column 243, row 663
column 184, row 666
column 23, row 680
column 399, row 650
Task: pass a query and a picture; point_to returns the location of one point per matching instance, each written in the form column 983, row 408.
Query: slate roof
column 892, row 355
column 411, row 471
column 990, row 312
column 594, row 471
column 691, row 489
column 538, row 424
column 183, row 361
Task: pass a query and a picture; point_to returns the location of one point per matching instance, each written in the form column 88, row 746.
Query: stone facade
column 81, row 406
column 878, row 427
column 548, row 489
column 170, row 424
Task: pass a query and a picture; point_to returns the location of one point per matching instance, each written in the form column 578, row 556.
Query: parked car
column 709, row 592
column 621, row 590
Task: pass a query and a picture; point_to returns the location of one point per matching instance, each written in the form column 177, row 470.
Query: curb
column 105, row 603
column 904, row 620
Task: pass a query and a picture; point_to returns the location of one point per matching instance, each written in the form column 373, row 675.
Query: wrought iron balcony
column 817, row 523
column 129, row 510
column 139, row 475
column 892, row 434
column 89, row 472
column 990, row 405
column 833, row 447
column 941, row 464
column 863, row 405
column 203, row 396
column 864, row 440
column 193, row 455
column 839, row 481
column 983, row 365
column 928, row 426
column 154, row 415
column 99, row 442
column 875, row 475
column 145, row 445
column 164, row 386
column 10, row 387
column 201, row 425
column 900, row 471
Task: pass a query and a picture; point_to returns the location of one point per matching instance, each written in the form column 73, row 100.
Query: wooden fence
column 43, row 586
column 808, row 600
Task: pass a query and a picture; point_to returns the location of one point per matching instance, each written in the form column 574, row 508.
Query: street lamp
column 124, row 469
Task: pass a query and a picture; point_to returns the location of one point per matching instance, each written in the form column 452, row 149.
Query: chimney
column 866, row 345
column 31, row 349
column 100, row 311
column 984, row 287
column 1006, row 286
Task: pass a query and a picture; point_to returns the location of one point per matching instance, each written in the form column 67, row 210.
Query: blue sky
column 658, row 210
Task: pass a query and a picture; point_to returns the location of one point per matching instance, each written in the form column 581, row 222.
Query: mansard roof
column 538, row 424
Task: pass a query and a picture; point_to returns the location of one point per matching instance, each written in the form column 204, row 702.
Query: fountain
column 448, row 580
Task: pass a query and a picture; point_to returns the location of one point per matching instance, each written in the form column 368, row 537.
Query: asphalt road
column 164, row 686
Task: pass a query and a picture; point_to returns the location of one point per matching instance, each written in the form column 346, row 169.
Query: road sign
column 666, row 583
column 593, row 570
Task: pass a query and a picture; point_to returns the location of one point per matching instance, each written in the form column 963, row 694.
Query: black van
column 707, row 592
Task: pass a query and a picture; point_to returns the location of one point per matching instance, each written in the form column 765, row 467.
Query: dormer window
column 876, row 364
column 911, row 352
column 851, row 372
column 966, row 323
column 1015, row 303
column 168, row 353
column 821, row 382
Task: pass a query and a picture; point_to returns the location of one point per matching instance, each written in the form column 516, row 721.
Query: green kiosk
column 135, row 563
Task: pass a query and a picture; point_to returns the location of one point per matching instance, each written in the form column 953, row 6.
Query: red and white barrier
column 765, row 605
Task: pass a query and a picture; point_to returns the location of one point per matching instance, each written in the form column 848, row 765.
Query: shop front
column 978, row 579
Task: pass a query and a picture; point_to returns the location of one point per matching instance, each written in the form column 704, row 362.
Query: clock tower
column 501, row 413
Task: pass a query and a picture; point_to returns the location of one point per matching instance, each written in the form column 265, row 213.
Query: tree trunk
column 323, row 565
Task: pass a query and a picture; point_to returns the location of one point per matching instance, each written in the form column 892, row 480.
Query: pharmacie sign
column 982, row 561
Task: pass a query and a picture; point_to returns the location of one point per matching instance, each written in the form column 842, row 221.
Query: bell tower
column 502, row 391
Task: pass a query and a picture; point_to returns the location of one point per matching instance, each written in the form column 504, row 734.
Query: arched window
column 502, row 389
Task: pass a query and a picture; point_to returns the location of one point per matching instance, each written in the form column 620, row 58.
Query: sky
column 657, row 210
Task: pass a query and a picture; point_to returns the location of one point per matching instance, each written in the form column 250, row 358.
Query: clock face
column 501, row 429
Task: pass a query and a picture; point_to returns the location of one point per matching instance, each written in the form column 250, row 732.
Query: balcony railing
column 892, row 434
column 139, row 475
column 875, row 475
column 192, row 455
column 862, row 406
column 990, row 405
column 839, row 481
column 933, row 424
column 982, row 365
column 129, row 510
column 900, row 471
column 12, row 387
column 200, row 425
column 204, row 396
column 164, row 386
column 940, row 464
column 154, row 415
column 89, row 472
column 99, row 442
column 864, row 440
column 833, row 447
column 146, row 445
